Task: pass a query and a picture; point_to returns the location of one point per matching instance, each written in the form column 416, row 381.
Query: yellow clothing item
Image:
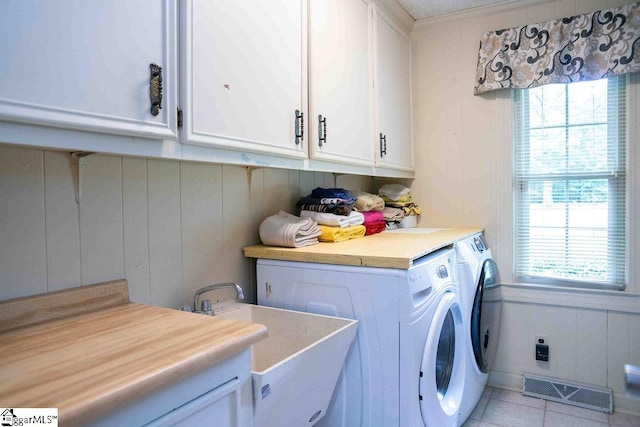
column 336, row 234
column 400, row 201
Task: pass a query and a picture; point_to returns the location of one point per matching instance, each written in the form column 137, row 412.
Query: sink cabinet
column 86, row 65
column 218, row 396
column 394, row 148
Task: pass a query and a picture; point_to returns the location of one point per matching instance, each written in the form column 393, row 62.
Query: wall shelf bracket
column 250, row 170
column 76, row 159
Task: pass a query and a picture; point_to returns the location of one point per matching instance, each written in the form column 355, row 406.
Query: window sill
column 572, row 297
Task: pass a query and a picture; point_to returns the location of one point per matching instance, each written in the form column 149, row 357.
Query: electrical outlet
column 542, row 348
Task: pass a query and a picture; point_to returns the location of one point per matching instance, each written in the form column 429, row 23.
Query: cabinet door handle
column 383, row 144
column 299, row 126
column 155, row 88
column 322, row 130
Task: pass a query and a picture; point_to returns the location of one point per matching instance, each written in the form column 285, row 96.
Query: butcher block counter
column 88, row 351
column 389, row 249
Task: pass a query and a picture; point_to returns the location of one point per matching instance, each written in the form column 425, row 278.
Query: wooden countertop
column 87, row 364
column 387, row 249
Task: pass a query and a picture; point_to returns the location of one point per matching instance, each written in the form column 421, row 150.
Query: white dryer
column 404, row 367
column 480, row 294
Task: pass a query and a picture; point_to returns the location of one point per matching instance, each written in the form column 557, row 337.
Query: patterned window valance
column 584, row 47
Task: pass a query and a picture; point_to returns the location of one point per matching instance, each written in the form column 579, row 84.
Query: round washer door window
column 442, row 370
column 445, row 355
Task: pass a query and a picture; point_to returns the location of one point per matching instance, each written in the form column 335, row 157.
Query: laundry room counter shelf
column 94, row 355
column 388, row 249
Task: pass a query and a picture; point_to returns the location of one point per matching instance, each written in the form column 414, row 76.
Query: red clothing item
column 372, row 216
column 374, row 227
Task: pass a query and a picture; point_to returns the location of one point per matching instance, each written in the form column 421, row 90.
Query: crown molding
column 424, row 23
column 393, row 9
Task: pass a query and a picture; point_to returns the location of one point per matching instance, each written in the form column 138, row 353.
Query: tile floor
column 499, row 407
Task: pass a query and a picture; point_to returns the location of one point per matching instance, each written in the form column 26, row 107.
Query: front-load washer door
column 442, row 367
column 485, row 316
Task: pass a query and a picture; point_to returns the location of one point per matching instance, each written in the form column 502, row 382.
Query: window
column 570, row 184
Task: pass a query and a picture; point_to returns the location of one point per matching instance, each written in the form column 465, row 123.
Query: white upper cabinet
column 340, row 81
column 243, row 75
column 295, row 84
column 86, row 65
column 394, row 148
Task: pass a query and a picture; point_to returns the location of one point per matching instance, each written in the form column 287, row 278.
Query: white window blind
column 570, row 184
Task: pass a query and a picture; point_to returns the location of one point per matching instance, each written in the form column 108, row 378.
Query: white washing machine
column 404, row 367
column 480, row 294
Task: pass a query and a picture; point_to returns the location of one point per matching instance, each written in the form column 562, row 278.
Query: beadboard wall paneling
column 135, row 228
column 23, row 241
column 63, row 233
column 237, row 233
column 587, row 346
column 101, row 235
column 165, row 242
column 203, row 242
column 168, row 227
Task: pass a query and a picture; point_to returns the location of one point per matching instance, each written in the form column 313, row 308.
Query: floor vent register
column 585, row 396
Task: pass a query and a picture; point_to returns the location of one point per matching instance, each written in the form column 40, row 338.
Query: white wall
column 168, row 227
column 463, row 152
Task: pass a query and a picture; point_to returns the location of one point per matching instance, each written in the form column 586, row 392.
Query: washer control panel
column 479, row 244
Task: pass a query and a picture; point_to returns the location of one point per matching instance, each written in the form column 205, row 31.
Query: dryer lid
column 485, row 316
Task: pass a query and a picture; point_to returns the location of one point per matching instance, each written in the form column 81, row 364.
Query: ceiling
column 419, row 9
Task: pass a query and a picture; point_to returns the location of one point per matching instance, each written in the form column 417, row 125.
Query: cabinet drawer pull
column 155, row 88
column 383, row 145
column 299, row 126
column 322, row 130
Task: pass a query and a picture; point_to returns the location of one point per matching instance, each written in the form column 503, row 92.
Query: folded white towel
column 333, row 220
column 394, row 191
column 284, row 229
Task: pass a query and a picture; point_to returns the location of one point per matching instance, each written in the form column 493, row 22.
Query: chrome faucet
column 196, row 296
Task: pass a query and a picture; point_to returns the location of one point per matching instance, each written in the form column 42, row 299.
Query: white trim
column 623, row 302
column 633, row 182
column 503, row 182
column 422, row 24
column 395, row 11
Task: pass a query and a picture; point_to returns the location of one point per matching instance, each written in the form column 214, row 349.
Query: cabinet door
column 219, row 408
column 243, row 68
column 86, row 64
column 394, row 147
column 340, row 80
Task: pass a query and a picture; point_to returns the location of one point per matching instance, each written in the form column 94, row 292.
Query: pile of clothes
column 336, row 215
column 398, row 204
column 371, row 207
column 332, row 210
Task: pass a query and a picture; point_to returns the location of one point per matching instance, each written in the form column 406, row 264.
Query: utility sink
column 296, row 368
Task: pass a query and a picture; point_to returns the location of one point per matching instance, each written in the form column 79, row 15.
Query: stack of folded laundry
column 367, row 202
column 284, row 229
column 332, row 209
column 374, row 222
column 399, row 210
column 330, row 200
column 371, row 206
